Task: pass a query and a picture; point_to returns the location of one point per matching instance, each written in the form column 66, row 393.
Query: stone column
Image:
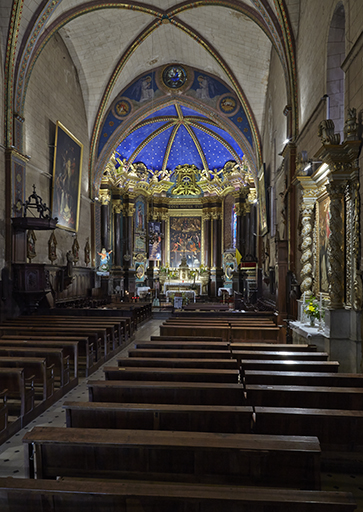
column 207, row 238
column 117, row 212
column 335, row 244
column 307, row 210
column 309, row 196
column 105, row 198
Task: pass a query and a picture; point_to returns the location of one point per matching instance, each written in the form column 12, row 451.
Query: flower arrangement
column 203, row 269
column 311, row 309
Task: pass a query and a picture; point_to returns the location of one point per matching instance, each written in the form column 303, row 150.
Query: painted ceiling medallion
column 174, row 77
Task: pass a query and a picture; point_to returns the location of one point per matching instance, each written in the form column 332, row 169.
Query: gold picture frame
column 67, row 173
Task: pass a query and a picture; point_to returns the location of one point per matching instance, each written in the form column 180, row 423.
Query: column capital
column 105, row 197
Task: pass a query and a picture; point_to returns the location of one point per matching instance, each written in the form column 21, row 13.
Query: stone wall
column 54, row 94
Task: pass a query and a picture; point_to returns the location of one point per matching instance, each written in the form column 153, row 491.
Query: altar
column 188, row 293
column 181, row 286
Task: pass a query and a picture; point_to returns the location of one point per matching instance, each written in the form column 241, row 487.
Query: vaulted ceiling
column 113, row 42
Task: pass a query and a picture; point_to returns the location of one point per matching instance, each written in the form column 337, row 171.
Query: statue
column 104, row 262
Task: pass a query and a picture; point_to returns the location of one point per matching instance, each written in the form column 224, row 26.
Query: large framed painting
column 323, row 237
column 262, row 210
column 67, row 172
column 185, row 238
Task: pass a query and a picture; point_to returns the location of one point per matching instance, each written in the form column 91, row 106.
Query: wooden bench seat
column 189, row 393
column 337, row 430
column 95, row 342
column 181, row 362
column 97, row 313
column 170, row 374
column 197, row 345
column 54, row 357
column 193, row 418
column 81, row 347
column 19, row 390
column 281, row 355
column 28, row 495
column 289, row 365
column 303, row 378
column 4, row 411
column 50, row 325
column 227, row 333
column 188, row 354
column 199, row 457
column 35, row 369
column 320, row 397
column 183, row 338
column 70, row 348
column 273, row 346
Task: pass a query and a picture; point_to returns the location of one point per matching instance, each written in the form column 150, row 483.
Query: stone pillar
column 309, row 196
column 105, row 198
column 335, row 244
column 253, row 231
column 207, row 238
column 117, row 212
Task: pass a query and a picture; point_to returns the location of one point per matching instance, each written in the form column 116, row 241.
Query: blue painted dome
column 177, row 135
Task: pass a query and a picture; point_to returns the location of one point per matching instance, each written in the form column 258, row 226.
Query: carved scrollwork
column 326, row 132
column 306, row 232
column 335, row 245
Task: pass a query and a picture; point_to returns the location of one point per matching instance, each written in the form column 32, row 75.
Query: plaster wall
column 54, row 94
column 273, row 137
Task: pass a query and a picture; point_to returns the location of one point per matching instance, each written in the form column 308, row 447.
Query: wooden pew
column 192, row 418
column 28, row 495
column 54, row 358
column 320, row 397
column 227, row 333
column 337, row 430
column 101, row 334
column 95, row 343
column 197, row 345
column 4, row 411
column 70, row 348
column 19, row 390
column 278, row 355
column 35, row 369
column 170, row 374
column 351, row 380
column 173, row 362
column 188, row 393
column 288, row 366
column 84, row 350
column 189, row 354
column 183, row 338
column 104, row 312
column 200, row 457
column 249, row 345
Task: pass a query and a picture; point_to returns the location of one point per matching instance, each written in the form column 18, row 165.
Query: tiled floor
column 12, row 452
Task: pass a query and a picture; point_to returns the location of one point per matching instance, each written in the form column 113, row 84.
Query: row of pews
column 178, row 426
column 42, row 356
column 229, row 326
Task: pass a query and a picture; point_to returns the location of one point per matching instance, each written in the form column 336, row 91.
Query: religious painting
column 323, row 237
column 139, row 223
column 154, row 241
column 185, row 241
column 262, row 211
column 66, row 186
